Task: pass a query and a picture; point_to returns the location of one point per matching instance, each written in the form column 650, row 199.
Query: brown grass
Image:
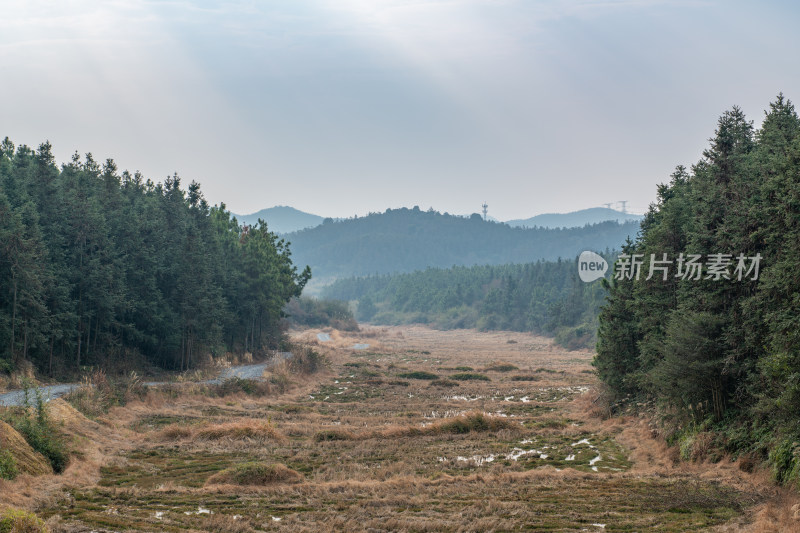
column 259, row 430
column 358, row 451
column 27, row 460
column 258, row 474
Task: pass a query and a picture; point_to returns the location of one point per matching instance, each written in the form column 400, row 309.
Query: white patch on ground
column 276, row 519
column 444, row 414
column 477, row 459
column 516, row 453
column 570, row 458
column 159, row 515
column 593, row 461
column 463, row 398
column 200, row 510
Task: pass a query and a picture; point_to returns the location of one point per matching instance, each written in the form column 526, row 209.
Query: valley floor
column 503, row 439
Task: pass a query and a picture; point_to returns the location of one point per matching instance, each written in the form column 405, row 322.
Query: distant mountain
column 282, row 219
column 404, row 240
column 576, row 219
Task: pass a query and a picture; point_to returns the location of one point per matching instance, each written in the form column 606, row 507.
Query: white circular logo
column 591, row 266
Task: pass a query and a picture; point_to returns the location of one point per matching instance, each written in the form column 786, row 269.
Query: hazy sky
column 341, row 107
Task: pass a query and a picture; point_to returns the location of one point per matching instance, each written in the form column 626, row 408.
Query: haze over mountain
column 286, row 219
column 575, row 219
column 282, row 219
column 404, row 240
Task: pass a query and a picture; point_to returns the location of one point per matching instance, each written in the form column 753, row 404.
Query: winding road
column 49, row 392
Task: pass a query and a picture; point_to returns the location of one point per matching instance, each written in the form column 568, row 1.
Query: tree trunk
column 50, row 363
column 80, row 337
column 13, row 314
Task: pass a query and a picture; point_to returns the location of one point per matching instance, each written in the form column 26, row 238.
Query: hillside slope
column 575, row 219
column 282, row 219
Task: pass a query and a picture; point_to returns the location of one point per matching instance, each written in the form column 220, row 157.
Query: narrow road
column 49, row 392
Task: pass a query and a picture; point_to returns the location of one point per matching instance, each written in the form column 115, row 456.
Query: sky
column 344, row 107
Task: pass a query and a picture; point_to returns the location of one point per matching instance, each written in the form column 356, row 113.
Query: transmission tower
column 624, row 203
column 485, row 207
column 608, row 205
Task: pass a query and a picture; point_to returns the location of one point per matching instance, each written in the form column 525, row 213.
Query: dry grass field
column 420, row 431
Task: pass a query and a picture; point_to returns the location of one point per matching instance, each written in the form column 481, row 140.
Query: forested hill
column 545, row 297
column 719, row 352
column 97, row 266
column 404, row 240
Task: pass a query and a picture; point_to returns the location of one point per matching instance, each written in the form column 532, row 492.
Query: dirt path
column 49, row 392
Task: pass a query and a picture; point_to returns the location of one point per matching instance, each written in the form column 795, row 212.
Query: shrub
column 175, row 432
column 525, row 378
column 19, row 521
column 469, row 376
column 235, row 385
column 418, row 374
column 333, row 434
column 444, row 383
column 311, row 312
column 470, row 422
column 464, row 368
column 501, row 367
column 37, row 429
column 305, row 360
column 256, row 474
column 8, row 466
column 551, row 423
column 97, row 393
column 785, row 461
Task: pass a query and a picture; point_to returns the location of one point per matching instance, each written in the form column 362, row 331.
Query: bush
column 19, row 521
column 35, row 426
column 577, row 337
column 257, row 474
column 8, row 466
column 97, row 393
column 471, row 422
column 525, row 378
column 235, row 385
column 311, row 312
column 418, row 374
column 333, row 434
column 501, row 367
column 469, row 376
column 444, row 383
column 785, row 461
column 305, row 360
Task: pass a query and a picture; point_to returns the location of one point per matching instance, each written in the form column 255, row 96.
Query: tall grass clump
column 35, row 426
